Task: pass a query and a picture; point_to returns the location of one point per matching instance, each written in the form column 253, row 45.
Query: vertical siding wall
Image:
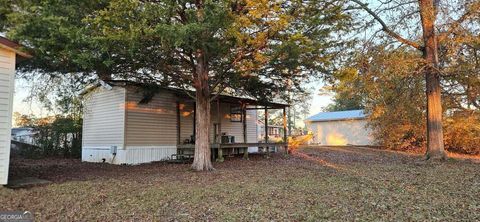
column 7, row 78
column 252, row 133
column 345, row 132
column 186, row 120
column 151, row 128
column 103, row 125
column 152, row 123
column 234, row 128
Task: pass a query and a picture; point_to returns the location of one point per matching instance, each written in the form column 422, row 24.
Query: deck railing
column 217, row 149
column 233, row 145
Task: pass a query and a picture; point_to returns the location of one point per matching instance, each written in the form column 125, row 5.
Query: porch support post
column 244, row 114
column 266, row 130
column 285, row 139
column 219, row 136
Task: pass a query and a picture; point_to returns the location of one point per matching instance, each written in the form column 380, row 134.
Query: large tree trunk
column 202, row 159
column 435, row 147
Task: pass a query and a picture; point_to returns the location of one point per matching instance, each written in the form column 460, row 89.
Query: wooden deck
column 233, row 145
column 217, row 149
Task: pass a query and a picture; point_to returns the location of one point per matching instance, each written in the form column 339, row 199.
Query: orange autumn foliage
column 295, row 142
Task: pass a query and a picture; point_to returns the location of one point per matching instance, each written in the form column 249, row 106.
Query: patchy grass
column 313, row 184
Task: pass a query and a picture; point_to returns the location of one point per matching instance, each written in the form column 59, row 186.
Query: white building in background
column 24, row 135
column 340, row 128
column 9, row 56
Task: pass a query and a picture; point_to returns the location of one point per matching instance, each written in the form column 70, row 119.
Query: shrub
column 462, row 132
column 54, row 136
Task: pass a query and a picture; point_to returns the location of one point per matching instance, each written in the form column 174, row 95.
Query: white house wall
column 151, row 128
column 152, row 123
column 235, row 128
column 343, row 132
column 7, row 78
column 186, row 121
column 252, row 133
column 104, row 125
column 159, row 117
column 252, row 126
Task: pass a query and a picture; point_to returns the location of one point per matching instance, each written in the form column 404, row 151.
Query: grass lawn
column 315, row 184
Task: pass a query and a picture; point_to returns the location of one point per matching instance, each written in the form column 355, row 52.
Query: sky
column 319, row 101
column 20, row 104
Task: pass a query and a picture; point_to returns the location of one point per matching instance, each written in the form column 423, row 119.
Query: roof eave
column 180, row 92
column 22, row 54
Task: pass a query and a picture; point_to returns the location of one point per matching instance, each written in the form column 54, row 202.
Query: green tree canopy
column 261, row 48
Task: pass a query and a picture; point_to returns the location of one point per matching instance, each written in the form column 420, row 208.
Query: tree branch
column 220, row 91
column 454, row 26
column 386, row 29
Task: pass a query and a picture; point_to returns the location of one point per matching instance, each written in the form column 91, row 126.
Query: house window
column 235, row 114
column 271, row 131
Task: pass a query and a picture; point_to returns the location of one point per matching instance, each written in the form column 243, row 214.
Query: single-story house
column 9, row 56
column 340, row 128
column 124, row 124
column 24, row 135
column 275, row 132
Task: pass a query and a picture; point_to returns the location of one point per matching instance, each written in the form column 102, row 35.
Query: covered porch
column 232, row 121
